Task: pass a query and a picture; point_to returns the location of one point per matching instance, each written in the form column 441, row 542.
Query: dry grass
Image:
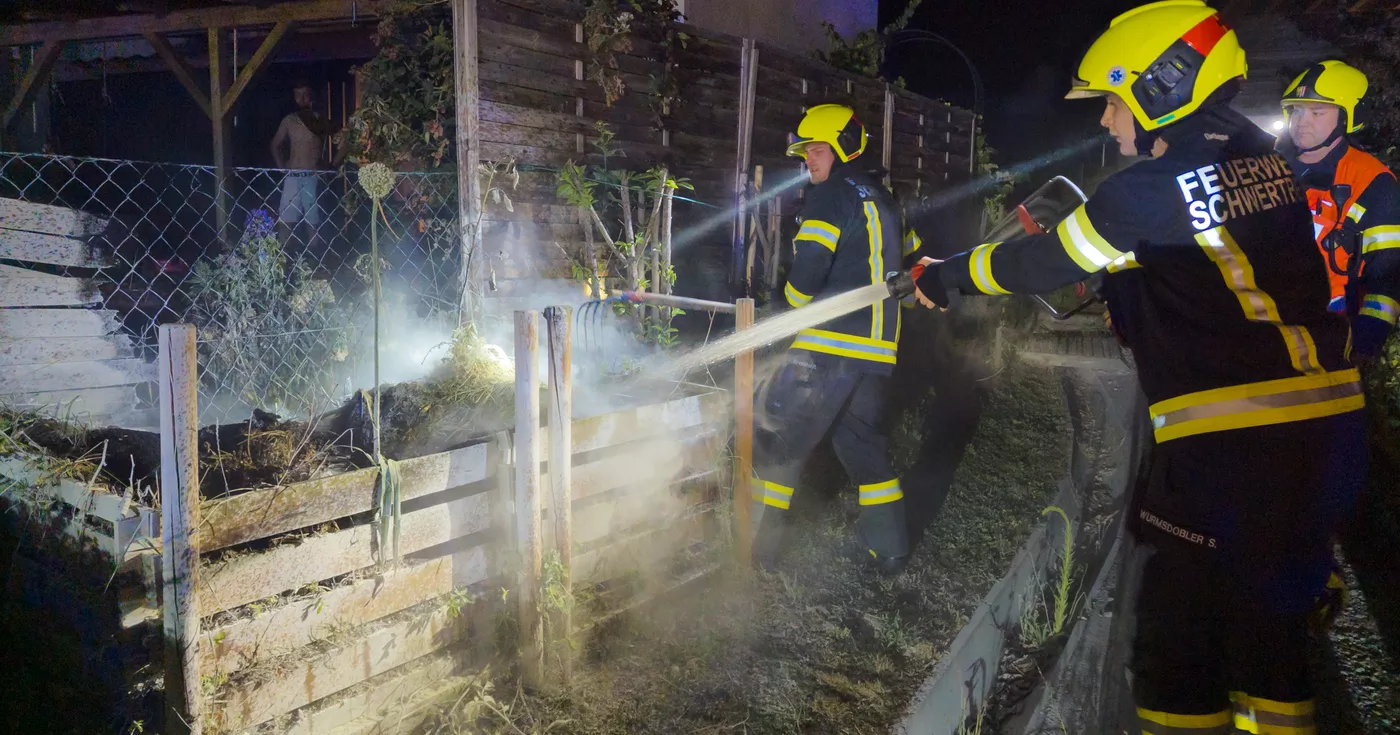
column 825, row 646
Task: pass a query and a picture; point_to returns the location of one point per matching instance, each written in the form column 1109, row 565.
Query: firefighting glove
column 930, row 284
column 1368, row 335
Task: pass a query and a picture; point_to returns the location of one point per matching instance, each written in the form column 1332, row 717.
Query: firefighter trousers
column 804, row 403
column 1234, row 530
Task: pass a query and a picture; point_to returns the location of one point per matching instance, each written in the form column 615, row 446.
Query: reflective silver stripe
column 1287, row 399
column 1239, row 274
column 1085, row 246
column 1301, row 347
column 877, row 266
column 884, row 492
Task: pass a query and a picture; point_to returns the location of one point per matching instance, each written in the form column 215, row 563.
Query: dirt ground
column 826, row 646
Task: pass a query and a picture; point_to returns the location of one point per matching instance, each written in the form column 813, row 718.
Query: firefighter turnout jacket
column 1213, row 282
column 849, row 238
column 1369, row 225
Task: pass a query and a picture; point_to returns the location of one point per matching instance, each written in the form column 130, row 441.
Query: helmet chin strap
column 1337, row 133
column 1144, row 140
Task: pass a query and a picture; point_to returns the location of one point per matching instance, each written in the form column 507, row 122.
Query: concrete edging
column 964, row 676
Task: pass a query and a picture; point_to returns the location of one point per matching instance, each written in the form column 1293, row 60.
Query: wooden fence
column 279, row 609
column 738, row 101
column 53, row 350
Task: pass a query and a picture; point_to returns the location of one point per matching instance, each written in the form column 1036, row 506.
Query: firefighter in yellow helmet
column 1213, row 280
column 1354, row 198
column 835, row 376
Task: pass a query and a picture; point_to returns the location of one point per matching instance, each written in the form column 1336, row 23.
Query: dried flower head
column 376, row 179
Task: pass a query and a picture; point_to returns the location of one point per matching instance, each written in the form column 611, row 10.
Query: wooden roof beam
column 231, row 16
column 256, row 65
column 180, row 68
column 34, row 79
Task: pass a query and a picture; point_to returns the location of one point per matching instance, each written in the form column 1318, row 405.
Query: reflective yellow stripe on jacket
column 1381, row 307
column 794, row 297
column 822, row 233
column 1257, row 404
column 845, row 345
column 1381, row 237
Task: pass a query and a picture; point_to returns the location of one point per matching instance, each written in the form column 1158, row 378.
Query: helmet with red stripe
column 1164, row 60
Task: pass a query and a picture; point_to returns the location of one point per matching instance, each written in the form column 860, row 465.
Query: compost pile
column 469, row 395
column 824, row 646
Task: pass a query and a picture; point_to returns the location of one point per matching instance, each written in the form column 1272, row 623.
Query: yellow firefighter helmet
column 835, row 125
column 1334, row 83
column 1163, row 59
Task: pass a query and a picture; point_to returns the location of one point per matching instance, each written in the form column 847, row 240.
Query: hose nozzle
column 901, row 283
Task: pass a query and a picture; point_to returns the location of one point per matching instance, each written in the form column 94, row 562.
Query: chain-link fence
column 282, row 296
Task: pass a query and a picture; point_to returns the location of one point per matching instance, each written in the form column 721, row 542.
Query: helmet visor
column 797, row 146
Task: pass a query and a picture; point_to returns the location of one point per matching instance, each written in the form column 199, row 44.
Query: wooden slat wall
column 631, row 514
column 53, row 354
column 538, row 109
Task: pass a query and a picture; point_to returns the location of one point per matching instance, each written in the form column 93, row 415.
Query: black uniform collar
column 1322, row 174
column 1209, row 127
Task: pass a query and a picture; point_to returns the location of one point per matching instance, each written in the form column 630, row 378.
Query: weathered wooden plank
column 22, row 287
column 179, row 526
column 548, row 23
column 296, row 685
column 558, row 97
column 233, row 646
column 559, row 8
column 90, row 500
column 244, row 579
column 63, row 349
column 558, row 43
column 16, row 324
column 646, row 421
column 374, row 707
column 641, row 551
column 666, row 458
column 263, row 513
column 561, row 141
column 49, row 219
column 75, row 375
column 638, row 505
column 37, row 247
column 528, row 154
column 79, row 406
column 564, row 122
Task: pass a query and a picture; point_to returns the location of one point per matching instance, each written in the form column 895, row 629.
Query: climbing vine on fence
column 408, row 104
column 865, row 53
column 609, row 29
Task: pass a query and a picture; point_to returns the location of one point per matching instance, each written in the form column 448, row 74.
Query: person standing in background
column 303, row 134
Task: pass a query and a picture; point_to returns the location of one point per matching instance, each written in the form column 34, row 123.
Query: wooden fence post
column 464, row 56
column 179, row 521
column 527, row 494
column 743, row 441
column 887, row 140
column 748, row 79
column 561, row 402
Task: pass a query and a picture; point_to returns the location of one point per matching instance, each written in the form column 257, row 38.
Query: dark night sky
column 1025, row 50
